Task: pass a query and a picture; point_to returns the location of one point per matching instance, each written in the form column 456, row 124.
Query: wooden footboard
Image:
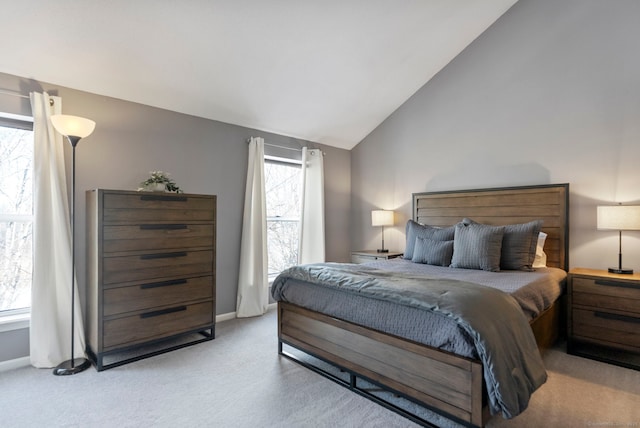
column 439, row 380
column 442, row 381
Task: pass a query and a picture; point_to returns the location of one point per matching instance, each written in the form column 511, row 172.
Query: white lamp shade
column 619, row 217
column 381, row 218
column 73, row 126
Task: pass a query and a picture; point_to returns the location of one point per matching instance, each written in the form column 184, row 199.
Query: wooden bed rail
column 440, row 381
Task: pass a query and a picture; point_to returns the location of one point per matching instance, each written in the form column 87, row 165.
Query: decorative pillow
column 518, row 244
column 477, row 246
column 431, row 252
column 415, row 229
column 541, row 257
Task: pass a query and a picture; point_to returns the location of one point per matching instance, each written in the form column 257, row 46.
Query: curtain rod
column 13, row 94
column 283, row 147
column 19, row 95
column 280, row 147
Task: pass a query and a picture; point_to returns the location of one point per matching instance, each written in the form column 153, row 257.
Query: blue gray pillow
column 414, row 230
column 477, row 246
column 519, row 244
column 431, row 252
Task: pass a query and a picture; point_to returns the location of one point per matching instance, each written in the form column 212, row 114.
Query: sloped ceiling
column 327, row 71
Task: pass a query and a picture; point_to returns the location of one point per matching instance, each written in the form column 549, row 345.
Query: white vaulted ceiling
column 328, row 71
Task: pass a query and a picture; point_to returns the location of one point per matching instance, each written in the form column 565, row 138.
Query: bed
column 449, row 380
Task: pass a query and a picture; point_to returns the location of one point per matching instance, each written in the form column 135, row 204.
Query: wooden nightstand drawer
column 606, row 294
column 157, row 323
column 157, row 237
column 366, row 256
column 357, row 258
column 153, row 294
column 607, row 328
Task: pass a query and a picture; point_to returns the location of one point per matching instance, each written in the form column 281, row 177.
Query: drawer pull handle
column 163, row 198
column 616, row 284
column 163, row 226
column 163, row 255
column 163, row 284
column 616, row 317
column 163, row 312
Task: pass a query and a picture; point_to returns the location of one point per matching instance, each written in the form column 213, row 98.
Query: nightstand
column 365, row 256
column 604, row 316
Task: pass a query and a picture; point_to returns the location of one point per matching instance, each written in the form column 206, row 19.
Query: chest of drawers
column 604, row 316
column 151, row 273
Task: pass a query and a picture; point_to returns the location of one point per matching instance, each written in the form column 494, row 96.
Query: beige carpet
column 581, row 393
column 238, row 380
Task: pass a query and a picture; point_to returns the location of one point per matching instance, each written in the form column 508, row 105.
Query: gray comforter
column 504, row 342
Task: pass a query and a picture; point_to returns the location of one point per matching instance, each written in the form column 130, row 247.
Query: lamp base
column 382, row 250
column 67, row 368
column 624, row 271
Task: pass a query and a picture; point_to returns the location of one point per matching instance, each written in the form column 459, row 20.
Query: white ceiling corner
column 325, row 71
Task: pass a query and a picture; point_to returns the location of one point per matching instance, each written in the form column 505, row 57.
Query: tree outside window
column 16, row 217
column 282, row 190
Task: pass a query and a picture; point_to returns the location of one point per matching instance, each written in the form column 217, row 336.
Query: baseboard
column 225, row 317
column 14, row 364
column 232, row 315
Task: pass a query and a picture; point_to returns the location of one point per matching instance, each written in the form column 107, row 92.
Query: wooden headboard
column 500, row 206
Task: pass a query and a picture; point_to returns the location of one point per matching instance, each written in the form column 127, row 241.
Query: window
column 282, row 190
column 16, row 214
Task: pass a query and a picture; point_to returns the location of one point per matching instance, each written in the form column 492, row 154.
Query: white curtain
column 253, row 282
column 311, row 248
column 50, row 329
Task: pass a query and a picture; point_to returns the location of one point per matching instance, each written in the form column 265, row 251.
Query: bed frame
column 440, row 381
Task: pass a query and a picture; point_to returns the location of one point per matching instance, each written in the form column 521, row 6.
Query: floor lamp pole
column 74, row 365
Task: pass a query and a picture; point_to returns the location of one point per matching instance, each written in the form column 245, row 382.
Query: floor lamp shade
column 382, row 218
column 74, row 128
column 619, row 217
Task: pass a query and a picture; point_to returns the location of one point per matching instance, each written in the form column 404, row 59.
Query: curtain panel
column 52, row 276
column 312, row 243
column 253, row 282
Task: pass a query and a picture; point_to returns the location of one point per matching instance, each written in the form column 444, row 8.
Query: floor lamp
column 73, row 128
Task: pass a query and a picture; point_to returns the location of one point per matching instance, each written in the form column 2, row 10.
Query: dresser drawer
column 153, row 294
column 157, row 324
column 156, row 265
column 607, row 328
column 149, row 207
column 157, row 237
column 606, row 294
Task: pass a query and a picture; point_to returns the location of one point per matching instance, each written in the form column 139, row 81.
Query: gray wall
column 549, row 94
column 203, row 156
column 14, row 344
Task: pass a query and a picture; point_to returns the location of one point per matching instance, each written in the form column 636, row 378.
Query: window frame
column 288, row 162
column 18, row 318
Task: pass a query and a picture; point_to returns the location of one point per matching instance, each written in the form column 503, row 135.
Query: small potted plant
column 159, row 182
